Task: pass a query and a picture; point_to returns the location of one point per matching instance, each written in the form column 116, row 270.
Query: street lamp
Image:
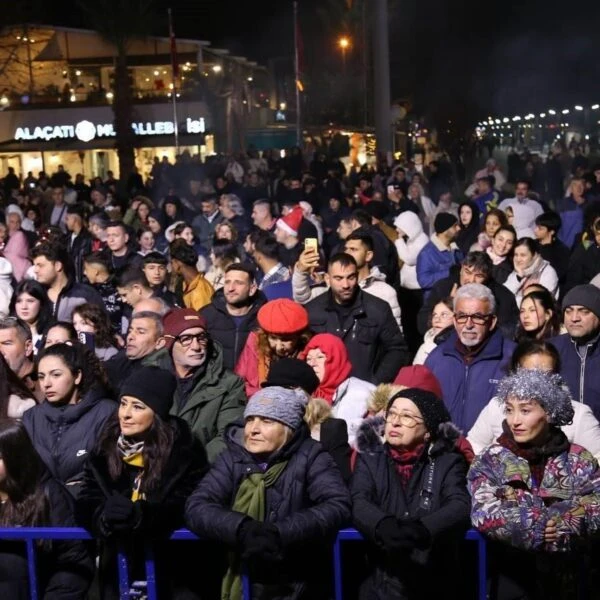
column 344, row 44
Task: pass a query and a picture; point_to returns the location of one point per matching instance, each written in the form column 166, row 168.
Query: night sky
column 453, row 59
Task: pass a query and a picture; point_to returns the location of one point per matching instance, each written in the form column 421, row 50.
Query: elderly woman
column 273, row 497
column 533, row 489
column 410, row 499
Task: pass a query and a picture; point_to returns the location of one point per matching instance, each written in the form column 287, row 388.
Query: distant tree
column 120, row 22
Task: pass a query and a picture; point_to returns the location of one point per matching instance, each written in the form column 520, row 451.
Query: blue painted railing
column 31, row 534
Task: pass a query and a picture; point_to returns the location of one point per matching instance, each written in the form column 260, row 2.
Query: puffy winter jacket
column 209, row 400
column 222, row 328
column 375, row 345
column 434, row 262
column 350, row 403
column 506, row 506
column 308, row 503
column 64, row 435
column 580, row 368
column 408, row 247
column 74, row 295
column 377, row 493
column 468, row 388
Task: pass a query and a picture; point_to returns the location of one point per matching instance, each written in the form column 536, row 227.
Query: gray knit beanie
column 279, row 404
column 547, row 389
column 586, row 295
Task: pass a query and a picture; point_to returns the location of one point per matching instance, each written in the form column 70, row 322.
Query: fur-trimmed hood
column 369, row 437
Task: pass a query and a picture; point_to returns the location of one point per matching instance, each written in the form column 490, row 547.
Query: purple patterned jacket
column 507, row 506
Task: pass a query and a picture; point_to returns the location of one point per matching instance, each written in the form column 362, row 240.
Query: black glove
column 390, row 535
column 118, row 510
column 415, row 533
column 259, row 540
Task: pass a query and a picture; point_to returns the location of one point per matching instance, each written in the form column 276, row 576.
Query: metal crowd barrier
column 31, row 534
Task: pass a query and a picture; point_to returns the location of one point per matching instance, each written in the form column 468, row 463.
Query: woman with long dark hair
column 66, row 426
column 144, row 467
column 539, row 316
column 92, row 320
column 28, row 498
column 15, row 397
column 30, row 303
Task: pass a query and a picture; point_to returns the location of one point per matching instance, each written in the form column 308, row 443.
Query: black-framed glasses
column 476, row 318
column 187, row 338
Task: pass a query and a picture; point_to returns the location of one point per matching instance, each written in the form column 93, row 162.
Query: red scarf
column 337, row 364
column 405, row 461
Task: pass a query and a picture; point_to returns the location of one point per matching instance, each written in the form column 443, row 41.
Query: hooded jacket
column 308, row 503
column 435, row 261
column 63, row 436
column 377, row 493
column 409, row 246
column 209, row 400
column 469, row 387
column 222, row 327
column 467, row 236
column 17, row 252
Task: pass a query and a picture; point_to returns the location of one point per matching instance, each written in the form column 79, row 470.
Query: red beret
column 282, row 317
column 419, row 376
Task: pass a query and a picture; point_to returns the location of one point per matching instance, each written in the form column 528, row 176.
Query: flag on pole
column 174, row 63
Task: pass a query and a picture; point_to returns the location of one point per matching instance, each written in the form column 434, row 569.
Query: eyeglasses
column 403, row 419
column 476, row 318
column 442, row 315
column 187, row 339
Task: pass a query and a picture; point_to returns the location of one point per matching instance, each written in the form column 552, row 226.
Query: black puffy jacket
column 63, row 436
column 221, row 326
column 64, row 568
column 376, row 347
column 377, row 493
column 308, row 503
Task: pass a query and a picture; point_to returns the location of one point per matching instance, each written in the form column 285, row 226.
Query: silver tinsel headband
column 547, row 389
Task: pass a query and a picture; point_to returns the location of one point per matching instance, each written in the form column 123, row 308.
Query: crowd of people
column 267, row 350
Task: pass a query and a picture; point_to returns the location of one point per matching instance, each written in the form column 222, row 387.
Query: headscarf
column 337, row 364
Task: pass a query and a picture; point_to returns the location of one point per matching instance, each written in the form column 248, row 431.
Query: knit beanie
column 291, row 222
column 419, row 376
column 154, row 387
column 282, row 317
column 586, row 295
column 443, row 222
column 176, row 321
column 432, row 409
column 292, row 373
column 279, row 404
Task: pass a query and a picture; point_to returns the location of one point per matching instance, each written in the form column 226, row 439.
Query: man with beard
column 471, row 362
column 365, row 323
column 209, row 396
column 231, row 315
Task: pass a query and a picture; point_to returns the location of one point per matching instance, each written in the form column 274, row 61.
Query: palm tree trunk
column 122, row 108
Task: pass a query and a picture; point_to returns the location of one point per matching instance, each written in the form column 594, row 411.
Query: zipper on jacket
column 582, row 360
column 465, row 388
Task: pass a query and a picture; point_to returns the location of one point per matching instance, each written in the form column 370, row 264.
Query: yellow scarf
column 136, row 460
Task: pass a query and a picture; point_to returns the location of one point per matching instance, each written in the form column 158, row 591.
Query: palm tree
column 120, row 22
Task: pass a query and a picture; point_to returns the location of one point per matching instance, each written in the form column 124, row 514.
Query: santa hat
column 291, row 222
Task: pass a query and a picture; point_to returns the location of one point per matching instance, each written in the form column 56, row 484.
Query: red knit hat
column 176, row 321
column 419, row 376
column 291, row 222
column 282, row 317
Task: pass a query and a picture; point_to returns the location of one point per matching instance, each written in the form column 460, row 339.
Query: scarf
column 405, row 461
column 250, row 500
column 536, row 456
column 337, row 364
column 531, row 274
column 132, row 454
column 496, row 260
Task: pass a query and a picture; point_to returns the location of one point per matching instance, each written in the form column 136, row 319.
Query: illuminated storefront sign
column 86, row 131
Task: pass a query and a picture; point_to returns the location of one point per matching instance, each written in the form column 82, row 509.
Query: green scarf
column 249, row 500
